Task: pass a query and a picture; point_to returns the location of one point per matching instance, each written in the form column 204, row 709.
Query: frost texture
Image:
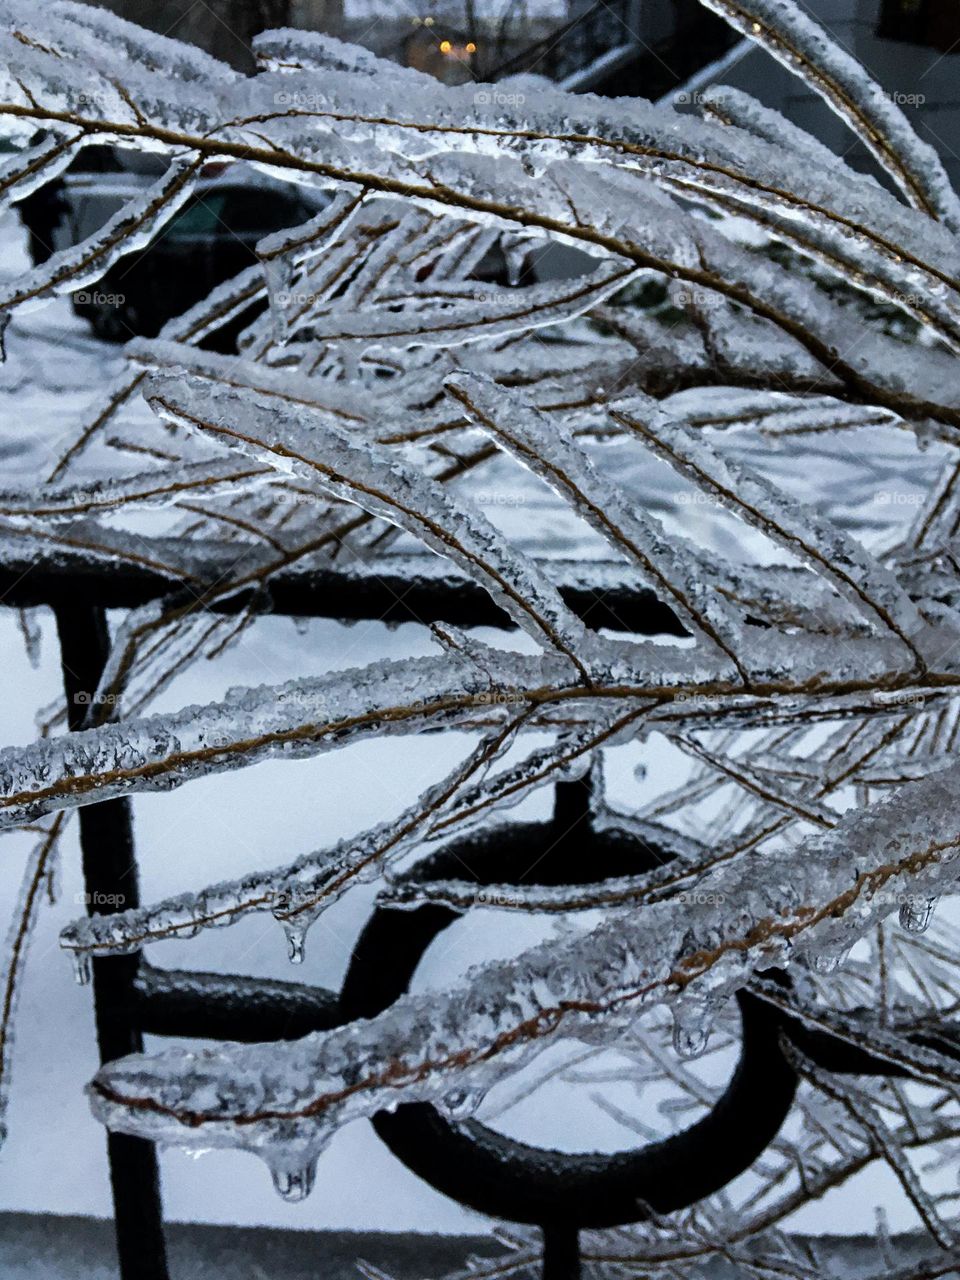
column 667, row 420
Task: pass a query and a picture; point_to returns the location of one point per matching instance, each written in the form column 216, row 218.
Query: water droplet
column 294, row 1183
column 916, row 914
column 82, row 967
column 296, row 936
column 691, row 1031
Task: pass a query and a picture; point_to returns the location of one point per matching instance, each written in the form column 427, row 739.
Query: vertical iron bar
column 571, row 808
column 110, row 879
column 561, row 1252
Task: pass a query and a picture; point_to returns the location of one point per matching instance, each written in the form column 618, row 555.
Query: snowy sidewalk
column 44, row 1247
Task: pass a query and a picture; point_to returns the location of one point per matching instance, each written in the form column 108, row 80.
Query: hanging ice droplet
column 82, row 967
column 296, row 936
column 460, row 1103
column 294, row 1183
column 916, row 914
column 691, row 1031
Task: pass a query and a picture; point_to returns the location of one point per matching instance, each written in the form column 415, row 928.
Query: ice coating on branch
column 295, row 894
column 77, row 56
column 86, row 545
column 777, row 414
column 344, row 464
column 129, row 229
column 282, row 251
column 619, row 179
column 299, row 718
column 25, row 910
column 494, row 315
column 567, row 756
column 865, row 1030
column 221, row 305
column 155, row 488
column 867, row 584
column 110, row 35
column 33, row 167
column 822, row 326
column 287, row 48
column 734, row 107
column 877, row 266
column 306, row 717
column 683, row 858
column 323, row 128
column 505, row 1011
column 673, row 357
column 795, row 39
column 353, row 406
column 622, row 892
column 670, row 566
column 398, row 152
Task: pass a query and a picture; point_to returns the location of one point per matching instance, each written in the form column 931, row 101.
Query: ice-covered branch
column 286, row 1100
column 796, row 40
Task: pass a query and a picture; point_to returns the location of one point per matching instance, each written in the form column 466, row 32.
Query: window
column 931, row 22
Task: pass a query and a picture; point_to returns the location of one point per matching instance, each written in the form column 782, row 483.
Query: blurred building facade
column 647, row 48
column 911, row 47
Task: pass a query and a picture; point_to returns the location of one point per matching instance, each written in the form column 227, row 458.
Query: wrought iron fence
column 606, row 27
column 559, row 1192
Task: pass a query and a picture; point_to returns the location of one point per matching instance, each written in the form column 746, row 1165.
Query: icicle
column 917, row 912
column 691, row 1028
column 82, row 967
column 296, row 935
column 32, row 635
column 293, row 1184
column 292, row 1161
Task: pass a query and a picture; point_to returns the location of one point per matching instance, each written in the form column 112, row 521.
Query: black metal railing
column 561, row 1193
column 652, row 68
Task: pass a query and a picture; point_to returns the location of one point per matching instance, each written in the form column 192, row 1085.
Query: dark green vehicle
column 212, row 238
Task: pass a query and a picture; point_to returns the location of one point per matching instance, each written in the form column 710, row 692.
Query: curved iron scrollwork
column 563, row 1193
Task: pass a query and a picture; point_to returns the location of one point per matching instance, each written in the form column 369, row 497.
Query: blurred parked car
column 212, row 238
